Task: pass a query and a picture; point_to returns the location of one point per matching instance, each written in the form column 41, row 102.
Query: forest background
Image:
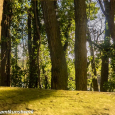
column 65, row 44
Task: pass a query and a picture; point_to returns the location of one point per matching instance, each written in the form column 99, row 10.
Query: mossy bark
column 45, row 77
column 94, row 80
column 59, row 67
column 105, row 59
column 80, row 45
column 34, row 47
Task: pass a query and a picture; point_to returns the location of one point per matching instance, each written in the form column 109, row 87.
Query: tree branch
column 100, row 3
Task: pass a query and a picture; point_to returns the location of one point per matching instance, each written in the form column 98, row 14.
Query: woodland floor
column 57, row 102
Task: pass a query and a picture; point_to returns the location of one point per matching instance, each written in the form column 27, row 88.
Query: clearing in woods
column 57, row 102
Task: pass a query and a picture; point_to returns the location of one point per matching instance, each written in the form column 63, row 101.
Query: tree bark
column 30, row 49
column 5, row 43
column 94, row 80
column 108, row 29
column 1, row 10
column 66, row 33
column 104, row 73
column 105, row 59
column 59, row 67
column 111, row 23
column 46, row 77
column 80, row 45
column 34, row 51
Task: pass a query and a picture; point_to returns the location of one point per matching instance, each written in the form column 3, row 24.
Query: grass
column 57, row 102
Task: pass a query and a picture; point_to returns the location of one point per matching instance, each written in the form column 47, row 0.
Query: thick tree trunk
column 80, row 45
column 59, row 67
column 111, row 23
column 5, row 44
column 110, row 12
column 110, row 8
column 1, row 10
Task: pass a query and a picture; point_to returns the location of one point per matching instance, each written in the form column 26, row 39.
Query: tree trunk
column 5, row 43
column 34, row 51
column 30, row 49
column 104, row 73
column 59, row 67
column 105, row 59
column 80, row 45
column 46, row 78
column 94, row 80
column 66, row 33
column 1, row 10
column 37, row 42
column 32, row 78
column 109, row 14
column 111, row 23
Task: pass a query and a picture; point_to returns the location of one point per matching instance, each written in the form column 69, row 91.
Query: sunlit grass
column 57, row 102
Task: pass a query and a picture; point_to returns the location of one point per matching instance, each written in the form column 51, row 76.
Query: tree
column 34, row 47
column 1, row 9
column 105, row 61
column 110, row 30
column 80, row 45
column 105, row 56
column 109, row 5
column 94, row 80
column 6, row 43
column 92, row 10
column 59, row 67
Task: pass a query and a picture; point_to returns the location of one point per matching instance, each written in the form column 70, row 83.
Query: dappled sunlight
column 20, row 98
column 57, row 102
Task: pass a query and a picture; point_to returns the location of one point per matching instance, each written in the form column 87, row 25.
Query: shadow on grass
column 20, row 98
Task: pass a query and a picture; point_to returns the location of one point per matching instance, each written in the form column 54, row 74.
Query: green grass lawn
column 57, row 102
